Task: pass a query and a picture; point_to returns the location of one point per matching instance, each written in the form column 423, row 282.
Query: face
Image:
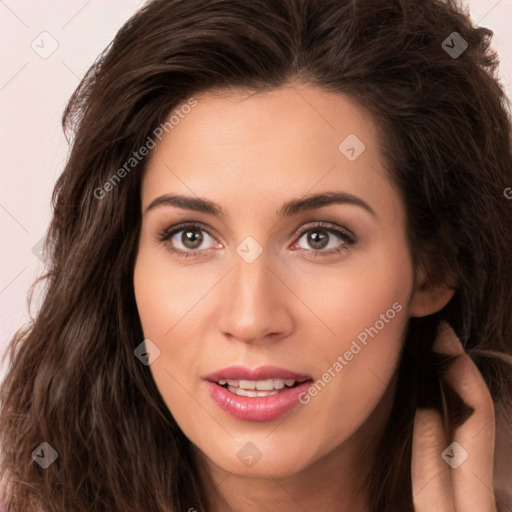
column 279, row 319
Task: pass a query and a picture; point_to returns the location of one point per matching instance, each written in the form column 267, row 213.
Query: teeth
column 251, row 393
column 279, row 383
column 265, row 385
column 247, row 384
column 257, row 385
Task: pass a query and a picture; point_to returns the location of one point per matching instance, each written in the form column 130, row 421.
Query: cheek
column 156, row 304
column 366, row 312
column 167, row 303
column 165, row 295
column 370, row 293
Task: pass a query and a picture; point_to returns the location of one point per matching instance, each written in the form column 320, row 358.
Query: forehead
column 267, row 145
column 294, row 113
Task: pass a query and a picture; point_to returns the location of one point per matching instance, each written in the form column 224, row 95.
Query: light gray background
column 34, row 89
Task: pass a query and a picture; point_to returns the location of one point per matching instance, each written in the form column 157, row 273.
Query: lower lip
column 260, row 408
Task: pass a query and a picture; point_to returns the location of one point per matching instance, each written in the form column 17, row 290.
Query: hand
column 457, row 485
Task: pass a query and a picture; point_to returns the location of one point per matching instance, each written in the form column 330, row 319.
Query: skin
column 250, row 153
column 469, row 486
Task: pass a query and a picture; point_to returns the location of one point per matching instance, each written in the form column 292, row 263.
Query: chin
column 263, row 459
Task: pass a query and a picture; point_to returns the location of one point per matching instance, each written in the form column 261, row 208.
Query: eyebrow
column 292, row 207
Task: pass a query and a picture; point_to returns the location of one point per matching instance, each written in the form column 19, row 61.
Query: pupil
column 317, row 239
column 192, row 239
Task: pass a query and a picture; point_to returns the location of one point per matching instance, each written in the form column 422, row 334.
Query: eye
column 187, row 240
column 324, row 239
column 192, row 239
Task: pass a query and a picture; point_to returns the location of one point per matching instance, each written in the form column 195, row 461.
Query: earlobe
column 429, row 297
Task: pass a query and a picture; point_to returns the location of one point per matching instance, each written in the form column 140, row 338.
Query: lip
column 260, row 373
column 266, row 408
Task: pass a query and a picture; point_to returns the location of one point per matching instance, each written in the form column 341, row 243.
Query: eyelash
column 349, row 239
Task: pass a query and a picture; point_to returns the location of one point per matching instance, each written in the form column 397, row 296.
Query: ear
column 429, row 297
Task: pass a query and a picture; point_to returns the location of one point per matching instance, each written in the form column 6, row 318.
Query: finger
column 471, row 453
column 431, row 478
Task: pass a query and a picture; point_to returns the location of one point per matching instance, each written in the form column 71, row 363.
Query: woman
column 279, row 270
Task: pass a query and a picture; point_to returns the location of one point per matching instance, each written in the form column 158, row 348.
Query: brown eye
column 324, row 240
column 192, row 238
column 318, row 238
column 188, row 240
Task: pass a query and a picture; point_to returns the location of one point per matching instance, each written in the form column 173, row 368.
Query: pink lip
column 261, row 373
column 266, row 408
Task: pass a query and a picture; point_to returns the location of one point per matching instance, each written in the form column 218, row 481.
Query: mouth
column 254, row 388
column 262, row 394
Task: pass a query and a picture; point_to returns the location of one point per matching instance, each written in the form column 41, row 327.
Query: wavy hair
column 445, row 134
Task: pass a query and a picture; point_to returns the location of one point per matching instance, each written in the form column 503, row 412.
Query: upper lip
column 261, row 373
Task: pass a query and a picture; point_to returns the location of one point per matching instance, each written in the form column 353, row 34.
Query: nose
column 255, row 303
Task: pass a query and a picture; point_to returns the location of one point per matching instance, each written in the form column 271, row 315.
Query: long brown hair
column 73, row 380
